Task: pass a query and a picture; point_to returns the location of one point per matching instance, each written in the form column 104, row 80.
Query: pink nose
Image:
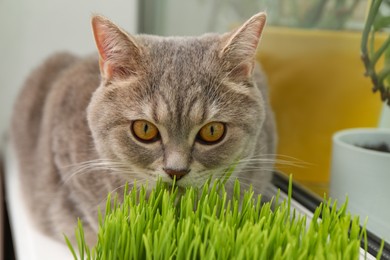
column 176, row 173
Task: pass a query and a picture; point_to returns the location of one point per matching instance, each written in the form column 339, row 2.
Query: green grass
column 207, row 224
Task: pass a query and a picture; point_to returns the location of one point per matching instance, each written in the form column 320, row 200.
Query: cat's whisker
column 255, row 171
column 280, row 157
column 100, row 166
column 81, row 172
column 254, row 165
column 89, row 162
column 266, row 161
column 139, row 183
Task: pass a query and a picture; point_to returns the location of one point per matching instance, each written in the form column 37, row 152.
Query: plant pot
column 363, row 175
column 317, row 87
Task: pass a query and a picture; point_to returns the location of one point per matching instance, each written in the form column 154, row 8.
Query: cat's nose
column 178, row 173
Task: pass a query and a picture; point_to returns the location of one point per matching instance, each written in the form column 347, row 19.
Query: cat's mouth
column 172, row 186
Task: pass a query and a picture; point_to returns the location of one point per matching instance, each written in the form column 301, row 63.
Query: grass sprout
column 209, row 224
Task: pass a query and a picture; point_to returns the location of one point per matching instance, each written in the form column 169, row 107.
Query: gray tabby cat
column 146, row 107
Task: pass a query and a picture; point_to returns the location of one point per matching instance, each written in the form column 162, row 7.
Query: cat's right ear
column 119, row 54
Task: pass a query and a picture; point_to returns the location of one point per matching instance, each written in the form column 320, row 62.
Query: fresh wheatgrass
column 207, row 224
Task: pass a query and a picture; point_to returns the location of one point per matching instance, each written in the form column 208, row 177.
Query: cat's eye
column 211, row 133
column 145, row 131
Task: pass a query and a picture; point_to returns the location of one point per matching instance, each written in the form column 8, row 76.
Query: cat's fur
column 71, row 125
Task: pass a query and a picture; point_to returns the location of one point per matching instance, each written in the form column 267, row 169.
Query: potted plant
column 361, row 157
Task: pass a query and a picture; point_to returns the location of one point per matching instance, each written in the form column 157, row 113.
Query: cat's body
column 74, row 124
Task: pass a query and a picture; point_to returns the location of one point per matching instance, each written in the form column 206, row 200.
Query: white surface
column 29, row 243
column 364, row 176
column 32, row 30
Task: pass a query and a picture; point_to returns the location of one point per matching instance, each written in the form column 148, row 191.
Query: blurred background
column 175, row 17
column 310, row 51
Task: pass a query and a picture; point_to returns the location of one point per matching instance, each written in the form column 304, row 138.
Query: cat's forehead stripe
column 196, row 110
column 179, row 111
column 161, row 107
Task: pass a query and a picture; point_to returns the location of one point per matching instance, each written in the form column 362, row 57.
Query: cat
column 145, row 107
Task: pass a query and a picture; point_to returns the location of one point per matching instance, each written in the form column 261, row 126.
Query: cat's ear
column 119, row 54
column 239, row 47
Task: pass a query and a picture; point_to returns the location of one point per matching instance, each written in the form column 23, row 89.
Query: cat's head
column 176, row 106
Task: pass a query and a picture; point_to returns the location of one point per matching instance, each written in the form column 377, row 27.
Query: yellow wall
column 317, row 87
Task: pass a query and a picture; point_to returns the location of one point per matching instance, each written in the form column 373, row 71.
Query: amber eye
column 212, row 132
column 145, row 131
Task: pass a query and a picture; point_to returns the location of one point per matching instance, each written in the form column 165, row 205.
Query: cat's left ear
column 239, row 47
column 119, row 54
